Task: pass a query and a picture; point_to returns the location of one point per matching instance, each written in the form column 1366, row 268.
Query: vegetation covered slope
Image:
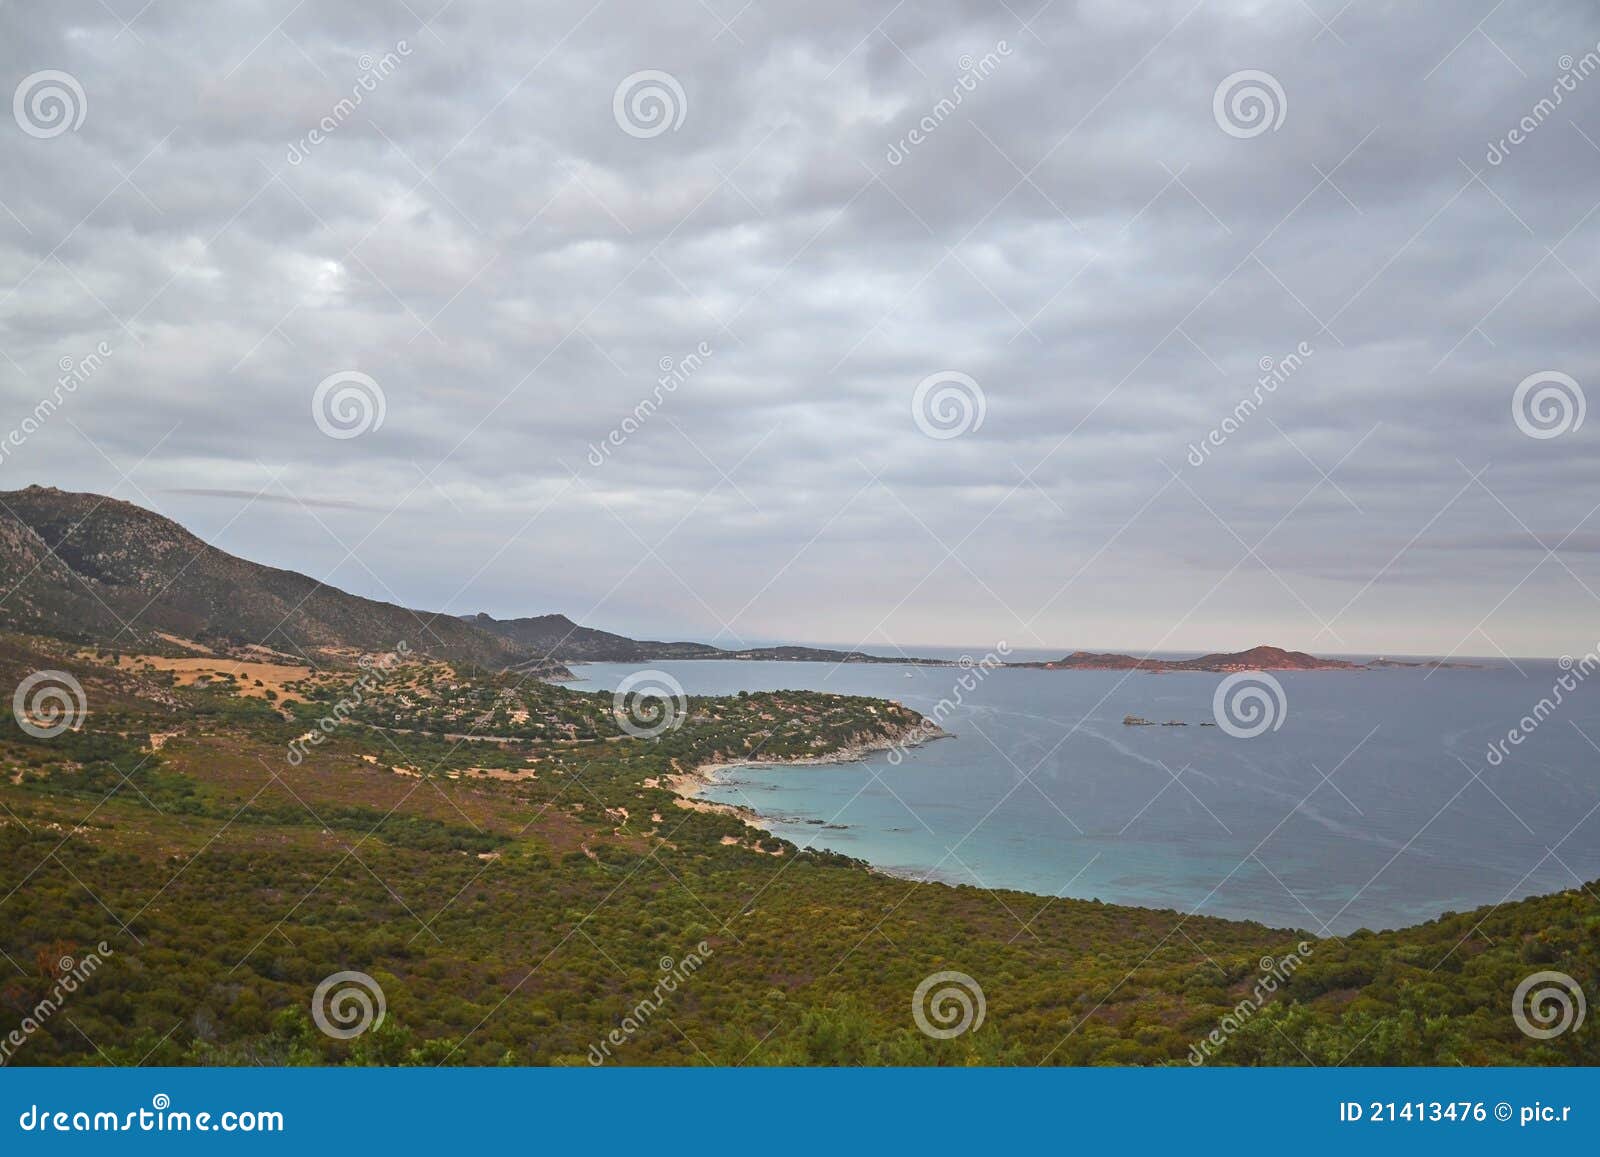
column 557, row 635
column 108, row 571
column 519, row 897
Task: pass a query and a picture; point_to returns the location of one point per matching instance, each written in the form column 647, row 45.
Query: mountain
column 1255, row 659
column 554, row 635
column 92, row 568
column 96, row 569
column 1266, row 659
column 558, row 636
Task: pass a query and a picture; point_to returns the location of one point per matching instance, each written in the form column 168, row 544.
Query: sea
column 1353, row 799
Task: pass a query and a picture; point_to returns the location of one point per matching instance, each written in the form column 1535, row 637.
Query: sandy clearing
column 501, row 773
column 186, row 644
column 186, row 672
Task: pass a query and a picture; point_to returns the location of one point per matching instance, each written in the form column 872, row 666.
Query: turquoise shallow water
column 1043, row 789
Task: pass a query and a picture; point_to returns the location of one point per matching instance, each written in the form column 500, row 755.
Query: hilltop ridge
column 97, row 569
column 557, row 635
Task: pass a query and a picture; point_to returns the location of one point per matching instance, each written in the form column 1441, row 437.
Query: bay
column 1373, row 804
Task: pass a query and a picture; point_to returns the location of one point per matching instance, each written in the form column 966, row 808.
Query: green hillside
column 519, row 898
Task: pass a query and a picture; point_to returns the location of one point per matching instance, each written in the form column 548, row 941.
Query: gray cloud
column 255, row 496
column 1078, row 235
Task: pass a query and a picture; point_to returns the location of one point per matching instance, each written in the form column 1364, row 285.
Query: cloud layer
column 648, row 353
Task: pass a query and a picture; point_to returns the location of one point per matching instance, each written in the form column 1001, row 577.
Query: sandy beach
column 688, row 785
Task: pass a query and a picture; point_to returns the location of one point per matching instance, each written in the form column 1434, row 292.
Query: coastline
column 687, row 785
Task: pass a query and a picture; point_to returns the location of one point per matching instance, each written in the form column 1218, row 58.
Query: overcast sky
column 1075, row 217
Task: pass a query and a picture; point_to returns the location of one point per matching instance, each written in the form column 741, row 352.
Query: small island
column 1263, row 658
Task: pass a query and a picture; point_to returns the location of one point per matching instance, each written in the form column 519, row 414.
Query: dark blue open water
column 1043, row 789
